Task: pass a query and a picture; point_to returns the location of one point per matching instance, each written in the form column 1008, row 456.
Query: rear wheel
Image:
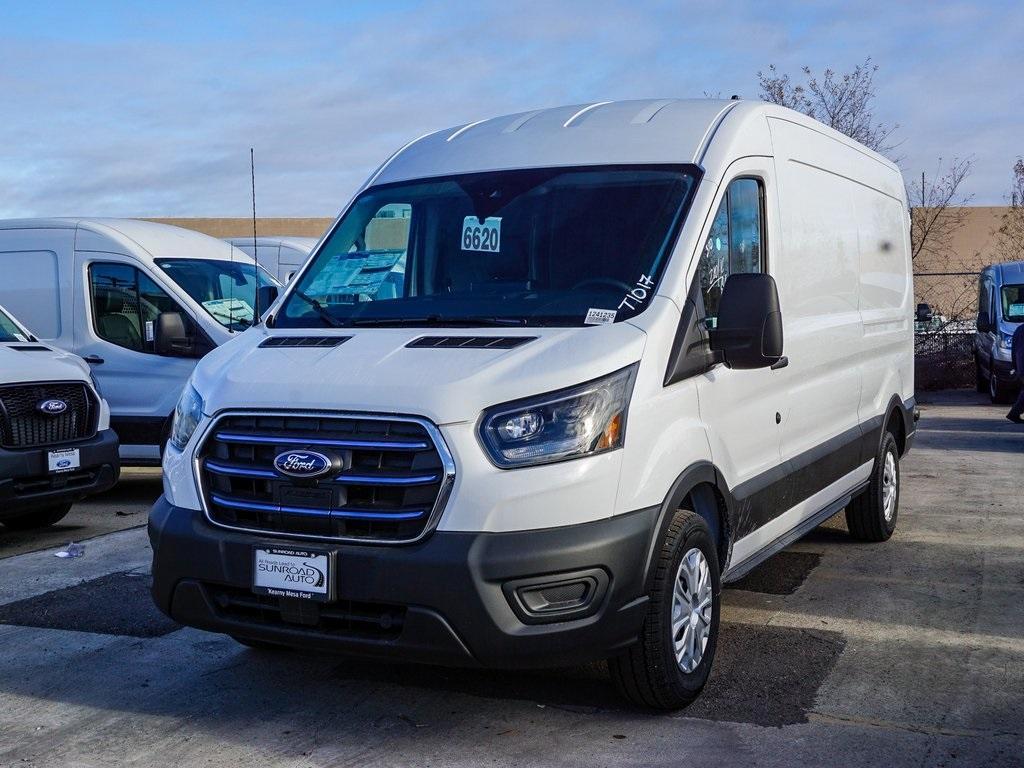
column 669, row 665
column 872, row 515
column 38, row 518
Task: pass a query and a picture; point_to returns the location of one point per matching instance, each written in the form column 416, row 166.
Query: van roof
column 1008, row 271
column 666, row 131
column 298, row 243
column 140, row 238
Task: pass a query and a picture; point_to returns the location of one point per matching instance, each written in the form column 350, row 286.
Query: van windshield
column 1013, row 303
column 225, row 289
column 9, row 330
column 559, row 246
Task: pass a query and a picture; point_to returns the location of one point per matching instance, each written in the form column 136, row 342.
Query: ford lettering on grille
column 307, row 464
column 52, row 407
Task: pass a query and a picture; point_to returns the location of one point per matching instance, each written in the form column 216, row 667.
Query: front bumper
column 1002, row 370
column 449, row 599
column 26, row 482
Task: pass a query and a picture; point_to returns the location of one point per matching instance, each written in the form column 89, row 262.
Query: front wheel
column 669, row 665
column 39, row 518
column 872, row 515
column 997, row 391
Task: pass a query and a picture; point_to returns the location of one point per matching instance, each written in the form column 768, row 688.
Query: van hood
column 374, row 370
column 30, row 361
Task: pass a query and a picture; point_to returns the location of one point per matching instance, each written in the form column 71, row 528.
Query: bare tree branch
column 1010, row 244
column 937, row 209
column 842, row 101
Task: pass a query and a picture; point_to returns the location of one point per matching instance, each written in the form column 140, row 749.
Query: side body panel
column 41, row 296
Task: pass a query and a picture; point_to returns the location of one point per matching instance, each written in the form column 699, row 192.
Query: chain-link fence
column 944, row 359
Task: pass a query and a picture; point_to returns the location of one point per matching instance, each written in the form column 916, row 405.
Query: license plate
column 64, row 461
column 287, row 572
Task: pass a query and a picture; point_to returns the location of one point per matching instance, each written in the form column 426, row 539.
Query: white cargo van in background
column 634, row 349
column 140, row 302
column 280, row 256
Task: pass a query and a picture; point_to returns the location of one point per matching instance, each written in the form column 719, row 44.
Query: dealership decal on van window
column 150, row 335
column 600, row 316
column 638, row 295
column 481, row 237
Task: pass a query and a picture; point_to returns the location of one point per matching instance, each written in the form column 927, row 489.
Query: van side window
column 734, row 244
column 125, row 305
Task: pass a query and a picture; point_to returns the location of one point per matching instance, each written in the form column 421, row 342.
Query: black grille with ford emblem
column 387, row 481
column 26, row 423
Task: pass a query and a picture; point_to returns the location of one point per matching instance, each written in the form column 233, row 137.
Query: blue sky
column 150, row 109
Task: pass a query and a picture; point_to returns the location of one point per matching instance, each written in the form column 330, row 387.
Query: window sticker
column 230, row 310
column 638, row 294
column 1016, row 309
column 600, row 316
column 481, row 237
column 150, row 334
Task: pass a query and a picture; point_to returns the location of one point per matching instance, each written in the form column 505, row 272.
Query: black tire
column 648, row 673
column 980, row 379
column 38, row 518
column 866, row 516
column 259, row 645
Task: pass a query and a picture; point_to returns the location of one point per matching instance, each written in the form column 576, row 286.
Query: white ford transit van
column 280, row 256
column 56, row 445
column 637, row 348
column 140, row 301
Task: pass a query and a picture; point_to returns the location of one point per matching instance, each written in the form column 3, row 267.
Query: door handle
column 93, row 359
column 782, row 362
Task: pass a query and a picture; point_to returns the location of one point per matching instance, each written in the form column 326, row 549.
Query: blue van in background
column 1000, row 312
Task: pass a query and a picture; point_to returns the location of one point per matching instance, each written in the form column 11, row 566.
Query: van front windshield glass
column 560, row 246
column 1013, row 303
column 225, row 289
column 9, row 330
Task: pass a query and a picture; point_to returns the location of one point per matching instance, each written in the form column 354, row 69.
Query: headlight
column 187, row 414
column 95, row 384
column 1006, row 341
column 568, row 424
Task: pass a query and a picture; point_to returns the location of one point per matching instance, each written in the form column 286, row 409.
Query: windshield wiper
column 438, row 320
column 326, row 316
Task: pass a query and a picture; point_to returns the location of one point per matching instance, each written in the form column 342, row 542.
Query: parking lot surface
column 832, row 653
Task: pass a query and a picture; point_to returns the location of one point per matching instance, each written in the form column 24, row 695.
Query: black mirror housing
column 749, row 330
column 265, row 296
column 924, row 313
column 984, row 326
column 172, row 338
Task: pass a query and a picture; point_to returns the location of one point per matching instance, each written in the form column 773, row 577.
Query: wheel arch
column 701, row 488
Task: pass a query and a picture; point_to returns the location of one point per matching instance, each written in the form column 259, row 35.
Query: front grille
column 390, row 487
column 346, row 618
column 23, row 426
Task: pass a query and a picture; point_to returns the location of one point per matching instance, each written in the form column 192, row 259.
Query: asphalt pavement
column 832, row 653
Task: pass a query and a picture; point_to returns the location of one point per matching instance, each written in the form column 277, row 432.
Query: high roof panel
column 642, row 131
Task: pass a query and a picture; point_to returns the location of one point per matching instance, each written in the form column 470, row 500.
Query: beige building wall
column 242, row 227
column 949, row 281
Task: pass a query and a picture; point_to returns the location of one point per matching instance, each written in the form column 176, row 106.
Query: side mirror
column 924, row 313
column 749, row 330
column 172, row 339
column 984, row 326
column 265, row 296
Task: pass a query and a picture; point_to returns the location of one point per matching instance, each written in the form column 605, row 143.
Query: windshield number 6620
column 481, row 237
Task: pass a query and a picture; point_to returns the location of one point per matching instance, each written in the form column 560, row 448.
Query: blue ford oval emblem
column 305, row 464
column 52, row 407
